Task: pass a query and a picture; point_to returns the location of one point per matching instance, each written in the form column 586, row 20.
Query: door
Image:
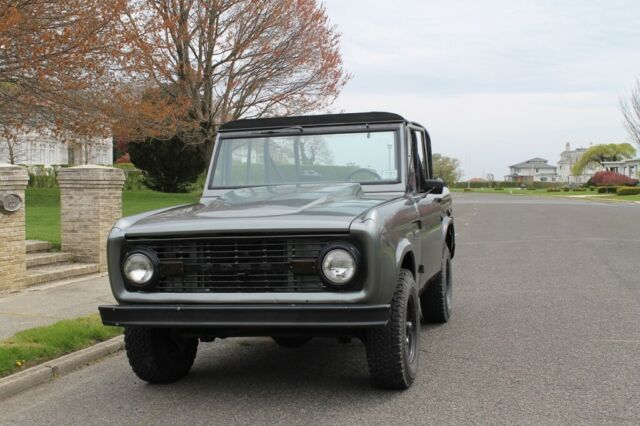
column 429, row 211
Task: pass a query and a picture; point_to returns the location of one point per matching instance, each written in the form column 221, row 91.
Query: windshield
column 364, row 157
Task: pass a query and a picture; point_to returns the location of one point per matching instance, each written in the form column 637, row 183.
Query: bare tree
column 201, row 63
column 631, row 112
column 12, row 148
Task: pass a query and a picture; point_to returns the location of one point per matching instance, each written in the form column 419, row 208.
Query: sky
column 495, row 82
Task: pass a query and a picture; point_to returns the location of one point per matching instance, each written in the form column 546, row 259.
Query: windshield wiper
column 282, row 130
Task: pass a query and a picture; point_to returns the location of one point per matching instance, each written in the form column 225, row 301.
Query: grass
column 41, row 344
column 43, row 208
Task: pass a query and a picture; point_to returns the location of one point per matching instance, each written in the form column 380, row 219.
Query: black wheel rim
column 410, row 338
column 448, row 289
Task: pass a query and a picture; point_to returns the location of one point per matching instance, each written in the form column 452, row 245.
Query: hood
column 318, row 207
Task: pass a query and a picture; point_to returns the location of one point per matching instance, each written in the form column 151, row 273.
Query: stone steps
column 44, row 266
column 59, row 271
column 36, row 245
column 47, row 258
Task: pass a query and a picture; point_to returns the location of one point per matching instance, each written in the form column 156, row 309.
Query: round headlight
column 139, row 269
column 338, row 266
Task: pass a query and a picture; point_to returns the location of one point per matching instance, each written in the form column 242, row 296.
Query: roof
column 538, row 163
column 313, row 120
column 628, row 161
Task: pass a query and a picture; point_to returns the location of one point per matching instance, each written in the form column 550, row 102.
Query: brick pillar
column 90, row 203
column 13, row 247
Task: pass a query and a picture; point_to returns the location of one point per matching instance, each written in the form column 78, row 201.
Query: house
column 533, row 170
column 629, row 168
column 568, row 158
column 43, row 146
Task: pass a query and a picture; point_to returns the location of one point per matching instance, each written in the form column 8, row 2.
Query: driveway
column 546, row 330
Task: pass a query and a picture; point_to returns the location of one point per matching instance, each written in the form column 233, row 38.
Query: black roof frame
column 313, row 120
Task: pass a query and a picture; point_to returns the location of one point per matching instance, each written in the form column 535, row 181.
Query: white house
column 568, row 158
column 533, row 170
column 44, row 147
column 629, row 168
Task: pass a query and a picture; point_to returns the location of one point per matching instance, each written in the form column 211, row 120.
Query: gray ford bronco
column 327, row 225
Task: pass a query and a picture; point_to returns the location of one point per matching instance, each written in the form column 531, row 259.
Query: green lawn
column 43, row 208
column 37, row 345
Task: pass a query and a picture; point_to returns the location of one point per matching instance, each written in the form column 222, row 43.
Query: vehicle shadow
column 253, row 365
column 259, row 368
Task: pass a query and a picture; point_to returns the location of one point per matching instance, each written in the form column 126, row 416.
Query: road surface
column 546, row 330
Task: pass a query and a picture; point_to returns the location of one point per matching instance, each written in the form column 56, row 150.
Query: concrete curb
column 19, row 382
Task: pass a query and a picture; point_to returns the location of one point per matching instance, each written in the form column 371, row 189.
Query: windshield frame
column 383, row 186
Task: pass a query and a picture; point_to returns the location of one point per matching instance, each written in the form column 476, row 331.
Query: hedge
column 628, row 190
column 607, row 189
column 502, row 184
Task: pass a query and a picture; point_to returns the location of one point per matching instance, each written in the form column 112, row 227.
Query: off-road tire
column 392, row 362
column 291, row 342
column 437, row 298
column 158, row 355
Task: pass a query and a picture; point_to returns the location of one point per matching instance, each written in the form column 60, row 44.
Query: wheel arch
column 405, row 258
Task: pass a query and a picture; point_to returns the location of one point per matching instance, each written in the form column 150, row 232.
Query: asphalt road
column 546, row 330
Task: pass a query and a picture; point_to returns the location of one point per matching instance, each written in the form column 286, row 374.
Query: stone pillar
column 90, row 203
column 13, row 246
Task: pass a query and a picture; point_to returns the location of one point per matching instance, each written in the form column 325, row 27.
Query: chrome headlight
column 140, row 268
column 339, row 265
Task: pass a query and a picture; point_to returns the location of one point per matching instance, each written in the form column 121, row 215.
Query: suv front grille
column 238, row 264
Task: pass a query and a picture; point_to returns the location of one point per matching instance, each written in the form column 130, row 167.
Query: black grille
column 238, row 264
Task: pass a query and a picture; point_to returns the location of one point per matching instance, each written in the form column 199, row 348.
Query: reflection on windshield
column 367, row 157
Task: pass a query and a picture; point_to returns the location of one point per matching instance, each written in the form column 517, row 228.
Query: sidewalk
column 46, row 304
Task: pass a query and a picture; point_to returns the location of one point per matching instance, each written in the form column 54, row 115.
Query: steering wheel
column 371, row 172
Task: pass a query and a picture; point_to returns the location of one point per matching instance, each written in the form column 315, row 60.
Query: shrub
column 566, row 189
column 628, row 190
column 592, row 188
column 554, row 190
column 133, row 181
column 41, row 176
column 579, row 189
column 167, row 166
column 467, row 190
column 607, row 189
column 607, row 178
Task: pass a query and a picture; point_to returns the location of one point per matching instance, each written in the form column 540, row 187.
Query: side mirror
column 433, row 186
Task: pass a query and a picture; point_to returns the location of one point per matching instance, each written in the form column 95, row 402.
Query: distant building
column 568, row 158
column 533, row 170
column 629, row 168
column 45, row 147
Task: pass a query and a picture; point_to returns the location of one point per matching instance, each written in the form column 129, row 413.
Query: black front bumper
column 247, row 316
